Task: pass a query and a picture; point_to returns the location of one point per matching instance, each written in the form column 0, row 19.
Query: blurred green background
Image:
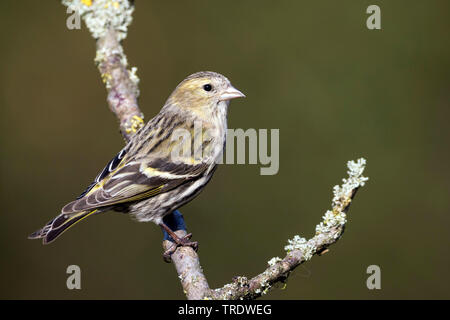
column 336, row 90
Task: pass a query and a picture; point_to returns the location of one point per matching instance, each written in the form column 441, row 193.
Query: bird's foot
column 179, row 242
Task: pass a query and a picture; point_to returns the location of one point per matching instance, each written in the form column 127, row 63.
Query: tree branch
column 300, row 250
column 186, row 261
column 121, row 84
column 108, row 22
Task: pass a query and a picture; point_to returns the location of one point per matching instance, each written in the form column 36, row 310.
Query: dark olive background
column 336, row 91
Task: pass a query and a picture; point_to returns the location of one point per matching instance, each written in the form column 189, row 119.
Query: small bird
column 157, row 171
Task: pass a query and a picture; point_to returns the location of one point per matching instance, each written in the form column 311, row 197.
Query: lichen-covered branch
column 300, row 250
column 120, row 83
column 108, row 22
column 187, row 263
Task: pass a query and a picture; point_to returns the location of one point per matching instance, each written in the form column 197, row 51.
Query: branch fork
column 108, row 21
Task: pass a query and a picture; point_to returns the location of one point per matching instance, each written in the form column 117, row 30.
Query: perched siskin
column 165, row 164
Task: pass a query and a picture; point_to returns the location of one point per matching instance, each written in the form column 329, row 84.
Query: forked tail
column 57, row 226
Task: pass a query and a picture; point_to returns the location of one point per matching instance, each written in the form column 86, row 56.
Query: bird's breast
column 216, row 135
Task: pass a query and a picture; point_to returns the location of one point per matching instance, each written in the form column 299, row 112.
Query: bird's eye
column 207, row 87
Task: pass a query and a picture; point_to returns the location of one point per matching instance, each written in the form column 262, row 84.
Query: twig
column 108, row 22
column 120, row 83
column 300, row 250
column 186, row 261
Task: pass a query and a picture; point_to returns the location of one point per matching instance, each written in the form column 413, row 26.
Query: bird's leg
column 184, row 242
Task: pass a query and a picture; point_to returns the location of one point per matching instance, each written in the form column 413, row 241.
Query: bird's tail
column 57, row 226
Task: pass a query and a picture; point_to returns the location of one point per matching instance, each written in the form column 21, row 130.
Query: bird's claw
column 180, row 242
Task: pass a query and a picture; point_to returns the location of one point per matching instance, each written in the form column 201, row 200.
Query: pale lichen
column 342, row 196
column 134, row 78
column 104, row 53
column 136, row 123
column 299, row 243
column 228, row 291
column 265, row 286
column 241, row 281
column 331, row 219
column 101, row 15
column 273, row 261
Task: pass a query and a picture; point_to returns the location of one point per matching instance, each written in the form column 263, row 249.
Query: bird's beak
column 231, row 93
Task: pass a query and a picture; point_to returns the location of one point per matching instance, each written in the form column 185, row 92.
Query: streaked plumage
column 145, row 179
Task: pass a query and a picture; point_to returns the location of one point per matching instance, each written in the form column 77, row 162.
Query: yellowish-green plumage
column 150, row 178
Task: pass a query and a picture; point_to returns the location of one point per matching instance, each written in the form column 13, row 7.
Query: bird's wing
column 126, row 180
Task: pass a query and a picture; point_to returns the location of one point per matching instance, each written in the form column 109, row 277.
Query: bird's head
column 203, row 91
